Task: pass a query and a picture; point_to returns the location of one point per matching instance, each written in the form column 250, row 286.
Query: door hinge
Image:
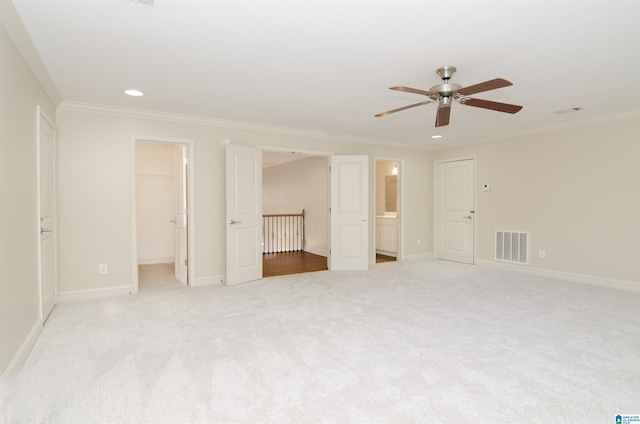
column 329, row 251
column 186, row 262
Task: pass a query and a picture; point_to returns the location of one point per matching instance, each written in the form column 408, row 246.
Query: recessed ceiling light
column 436, row 137
column 134, row 93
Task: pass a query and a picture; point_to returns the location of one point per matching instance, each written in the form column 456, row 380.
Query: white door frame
column 41, row 114
column 400, row 214
column 191, row 244
column 475, row 201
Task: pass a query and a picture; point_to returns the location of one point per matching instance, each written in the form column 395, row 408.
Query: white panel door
column 349, row 213
column 454, row 211
column 181, row 215
column 47, row 221
column 244, row 214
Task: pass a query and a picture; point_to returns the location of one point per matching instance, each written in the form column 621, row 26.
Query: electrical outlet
column 102, row 269
column 542, row 254
column 419, row 242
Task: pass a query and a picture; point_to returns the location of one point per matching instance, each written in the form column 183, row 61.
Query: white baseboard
column 215, row 280
column 75, row 295
column 419, row 256
column 567, row 276
column 23, row 353
column 319, row 252
column 156, row 261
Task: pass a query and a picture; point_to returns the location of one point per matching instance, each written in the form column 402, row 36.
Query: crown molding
column 12, row 23
column 633, row 113
column 211, row 122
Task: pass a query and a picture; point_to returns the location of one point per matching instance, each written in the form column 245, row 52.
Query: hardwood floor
column 291, row 263
column 384, row 258
column 297, row 262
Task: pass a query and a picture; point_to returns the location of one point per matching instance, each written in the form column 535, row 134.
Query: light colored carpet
column 414, row 342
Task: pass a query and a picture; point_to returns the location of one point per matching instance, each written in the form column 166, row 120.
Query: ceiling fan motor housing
column 446, row 89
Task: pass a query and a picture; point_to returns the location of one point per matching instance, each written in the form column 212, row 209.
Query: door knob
column 45, row 230
column 363, row 219
column 235, row 222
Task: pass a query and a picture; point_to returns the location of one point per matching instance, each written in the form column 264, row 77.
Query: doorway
column 349, row 205
column 387, row 203
column 294, row 205
column 47, row 212
column 162, row 199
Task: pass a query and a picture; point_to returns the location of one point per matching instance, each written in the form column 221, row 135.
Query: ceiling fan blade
column 415, row 90
column 442, row 117
column 401, row 108
column 487, row 104
column 484, row 86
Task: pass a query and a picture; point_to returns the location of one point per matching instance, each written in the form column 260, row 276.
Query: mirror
column 391, row 193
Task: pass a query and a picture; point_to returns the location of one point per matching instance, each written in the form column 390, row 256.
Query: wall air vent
column 512, row 246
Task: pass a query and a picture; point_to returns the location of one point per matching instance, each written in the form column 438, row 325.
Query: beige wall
column 20, row 94
column 298, row 185
column 577, row 190
column 95, row 186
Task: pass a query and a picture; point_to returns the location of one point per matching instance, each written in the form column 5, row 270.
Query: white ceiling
column 325, row 66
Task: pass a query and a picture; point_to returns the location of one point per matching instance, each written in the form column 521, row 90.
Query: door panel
column 454, row 211
column 47, row 221
column 181, row 215
column 349, row 213
column 243, row 214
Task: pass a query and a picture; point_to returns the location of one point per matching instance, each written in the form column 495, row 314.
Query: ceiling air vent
column 565, row 111
column 512, row 246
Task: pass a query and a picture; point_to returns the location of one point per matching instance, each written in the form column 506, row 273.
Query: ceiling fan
column 446, row 93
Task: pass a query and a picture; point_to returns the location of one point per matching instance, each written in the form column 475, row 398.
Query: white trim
column 14, row 26
column 216, row 280
column 567, row 276
column 419, row 256
column 319, row 252
column 191, row 188
column 635, row 113
column 89, row 294
column 156, row 261
column 200, row 120
column 23, row 353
